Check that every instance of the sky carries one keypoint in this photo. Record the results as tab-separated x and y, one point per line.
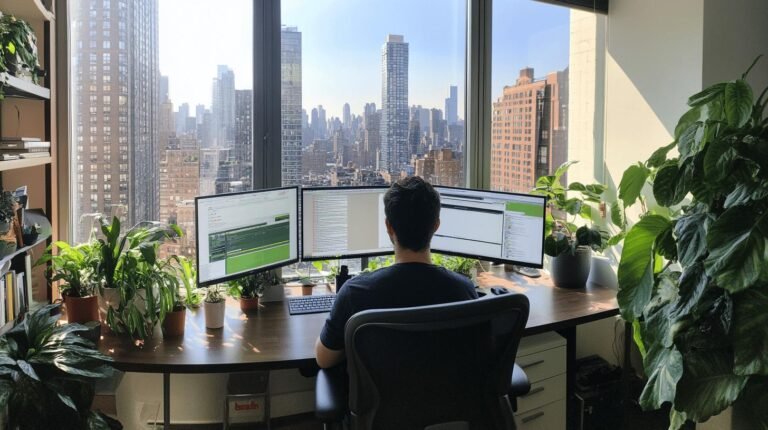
342	41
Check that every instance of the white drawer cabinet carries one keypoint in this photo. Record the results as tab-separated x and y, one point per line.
548	417
543	358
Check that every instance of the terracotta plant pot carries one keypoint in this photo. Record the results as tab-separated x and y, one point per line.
173	324
249	304
82	309
306	290
214	314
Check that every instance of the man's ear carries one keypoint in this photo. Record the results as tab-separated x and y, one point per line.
390	231
437	226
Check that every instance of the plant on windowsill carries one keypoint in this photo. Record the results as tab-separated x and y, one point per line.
693	275
569	245
18	51
48	372
8	206
249	288
333	266
461	265
215	306
76	268
175	319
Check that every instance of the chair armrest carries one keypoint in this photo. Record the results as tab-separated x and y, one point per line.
519	385
331	395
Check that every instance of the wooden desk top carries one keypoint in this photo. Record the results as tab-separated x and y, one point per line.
274	339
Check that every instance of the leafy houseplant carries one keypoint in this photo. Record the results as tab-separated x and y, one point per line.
249	288
569	245
30	233
175	320
18	50
7	216
695	284
47	374
76	268
215	305
461	265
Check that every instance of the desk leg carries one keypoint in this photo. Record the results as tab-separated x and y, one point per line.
166	401
570	377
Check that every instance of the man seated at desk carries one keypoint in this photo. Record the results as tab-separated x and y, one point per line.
412	209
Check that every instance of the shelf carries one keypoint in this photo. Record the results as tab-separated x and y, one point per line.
24	162
32	216
23	89
28	10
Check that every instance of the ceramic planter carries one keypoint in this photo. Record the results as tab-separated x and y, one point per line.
108	298
214	314
174	322
249	304
306	290
571	270
82	309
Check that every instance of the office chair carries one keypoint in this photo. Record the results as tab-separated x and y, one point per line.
447	366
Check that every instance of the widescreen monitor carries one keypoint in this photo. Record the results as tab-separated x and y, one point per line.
343	222
501	227
243	233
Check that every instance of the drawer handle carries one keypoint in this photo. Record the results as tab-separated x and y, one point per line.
535	416
531	364
534	391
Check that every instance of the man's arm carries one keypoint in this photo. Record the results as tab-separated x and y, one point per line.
327	357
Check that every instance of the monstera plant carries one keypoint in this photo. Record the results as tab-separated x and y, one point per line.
693	276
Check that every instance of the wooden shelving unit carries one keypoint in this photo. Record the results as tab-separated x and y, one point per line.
28	110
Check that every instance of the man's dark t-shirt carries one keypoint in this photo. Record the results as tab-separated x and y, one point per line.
398	286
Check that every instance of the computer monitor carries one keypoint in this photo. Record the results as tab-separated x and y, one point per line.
501	227
243	233
343	222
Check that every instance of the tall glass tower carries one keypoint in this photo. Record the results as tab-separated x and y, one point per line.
290	85
394	104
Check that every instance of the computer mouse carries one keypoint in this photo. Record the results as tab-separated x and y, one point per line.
497	291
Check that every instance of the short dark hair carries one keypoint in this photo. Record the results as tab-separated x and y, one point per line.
412	208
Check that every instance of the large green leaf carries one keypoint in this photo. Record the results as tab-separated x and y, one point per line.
659	156
554	246
688	143
738	103
745	193
636	266
706	95
737	248
632	182
718	160
750	331
691	232
708	385
693	283
618	217
670	185
664	367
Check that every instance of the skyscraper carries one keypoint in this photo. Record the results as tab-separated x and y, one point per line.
242	153
181	119
290	86
394	152
346	116
452	106
164	97
117	143
529	130
223	107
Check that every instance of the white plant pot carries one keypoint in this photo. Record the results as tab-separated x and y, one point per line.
601	273
273	293
109	298
214	314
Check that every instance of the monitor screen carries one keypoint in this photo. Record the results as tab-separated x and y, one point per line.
247	232
502	227
343	222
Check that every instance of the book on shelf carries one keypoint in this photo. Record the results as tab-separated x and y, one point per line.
8	157
23	145
9	301
3	314
30	298
35	155
19	139
21	298
22	150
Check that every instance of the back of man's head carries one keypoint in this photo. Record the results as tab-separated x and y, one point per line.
412	208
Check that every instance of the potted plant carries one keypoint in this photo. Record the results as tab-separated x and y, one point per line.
569	245
18	50
305	279
30	233
8	206
693	272
48	372
75	267
175	319
131	266
249	288
461	265
215	306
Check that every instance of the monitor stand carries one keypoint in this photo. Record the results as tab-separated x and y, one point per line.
525	271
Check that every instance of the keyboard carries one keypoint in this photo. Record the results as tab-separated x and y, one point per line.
310	304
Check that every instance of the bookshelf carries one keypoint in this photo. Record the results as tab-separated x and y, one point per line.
29	110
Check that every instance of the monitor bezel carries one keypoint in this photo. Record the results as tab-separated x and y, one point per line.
341	256
253	271
487	258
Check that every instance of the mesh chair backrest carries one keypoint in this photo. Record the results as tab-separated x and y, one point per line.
414	367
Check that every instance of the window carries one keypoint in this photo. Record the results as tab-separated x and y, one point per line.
370	93
533	80
143	137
